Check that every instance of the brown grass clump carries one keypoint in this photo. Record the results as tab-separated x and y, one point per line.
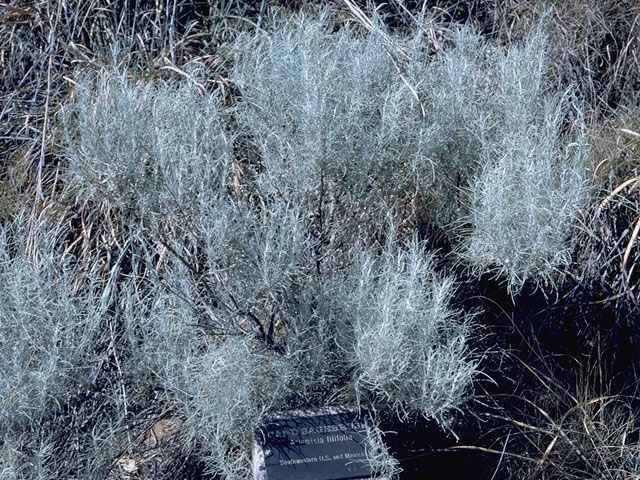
586	431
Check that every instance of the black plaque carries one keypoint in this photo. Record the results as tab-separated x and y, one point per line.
325	444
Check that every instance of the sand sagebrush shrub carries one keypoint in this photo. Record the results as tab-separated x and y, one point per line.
253	258
158	148
532	182
455	87
51	354
408	345
284	294
337	130
48	328
285	288
218	385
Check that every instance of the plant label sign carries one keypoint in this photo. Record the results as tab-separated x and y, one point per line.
321	444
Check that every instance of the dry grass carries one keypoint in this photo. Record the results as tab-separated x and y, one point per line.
575	433
608	240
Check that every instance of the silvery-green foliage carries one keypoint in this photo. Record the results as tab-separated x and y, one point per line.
9	464
235	266
346	122
408	345
502	161
247	313
249	260
532	182
315	320
167	160
253	256
454	87
18	464
47	328
50	337
219	386
337	130
382	463
158	148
